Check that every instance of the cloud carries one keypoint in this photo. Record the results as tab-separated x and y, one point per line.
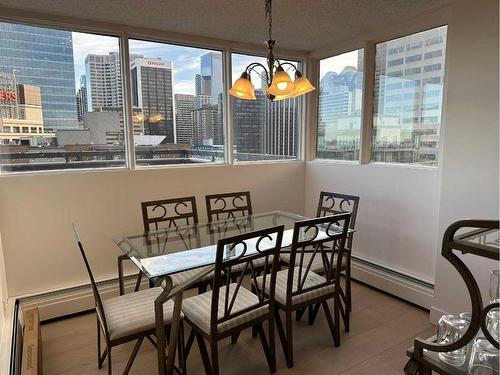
339	62
184	87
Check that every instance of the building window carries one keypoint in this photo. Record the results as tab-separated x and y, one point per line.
414	129
48	94
340	106
177	98
264	130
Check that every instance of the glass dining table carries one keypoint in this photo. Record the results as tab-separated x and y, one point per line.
159	254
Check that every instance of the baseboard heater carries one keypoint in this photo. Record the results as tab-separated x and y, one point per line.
412	289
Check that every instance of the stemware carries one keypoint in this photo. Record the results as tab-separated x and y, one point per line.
450	329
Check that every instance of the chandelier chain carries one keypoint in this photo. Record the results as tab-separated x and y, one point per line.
269	16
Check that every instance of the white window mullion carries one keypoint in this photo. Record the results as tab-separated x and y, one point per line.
127	102
228	108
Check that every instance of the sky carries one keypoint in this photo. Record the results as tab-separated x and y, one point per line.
338	63
185	60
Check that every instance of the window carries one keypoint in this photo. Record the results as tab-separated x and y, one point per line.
51	97
264	130
177	98
413	58
411	134
340	106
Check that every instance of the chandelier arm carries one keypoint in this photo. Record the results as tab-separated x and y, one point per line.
287	63
252	66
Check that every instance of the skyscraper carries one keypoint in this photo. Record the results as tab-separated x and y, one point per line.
153	92
211	75
81	99
42	57
184	106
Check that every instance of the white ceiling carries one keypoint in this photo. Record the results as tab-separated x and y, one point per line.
298	24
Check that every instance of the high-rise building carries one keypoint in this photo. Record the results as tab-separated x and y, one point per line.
184	106
153	92
21	117
281	127
197	84
81	99
42	57
103	80
211	75
248	122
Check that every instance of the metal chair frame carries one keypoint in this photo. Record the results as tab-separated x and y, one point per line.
102	327
331	249
153	223
228	205
223	277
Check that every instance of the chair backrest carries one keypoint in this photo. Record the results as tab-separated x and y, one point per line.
335	203
326	236
236	257
97	296
167	213
228	205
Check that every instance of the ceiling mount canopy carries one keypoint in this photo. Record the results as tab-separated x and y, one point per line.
279	85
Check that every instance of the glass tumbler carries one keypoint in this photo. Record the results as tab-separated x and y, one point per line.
484	358
450	329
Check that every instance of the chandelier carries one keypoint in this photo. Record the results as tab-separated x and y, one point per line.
278	83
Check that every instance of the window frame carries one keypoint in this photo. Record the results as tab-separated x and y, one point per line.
368	42
124	33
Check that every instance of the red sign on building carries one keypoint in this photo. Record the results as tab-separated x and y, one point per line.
8	95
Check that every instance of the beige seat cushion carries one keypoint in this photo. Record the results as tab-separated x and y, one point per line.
317	263
134	312
312	279
180	277
198	309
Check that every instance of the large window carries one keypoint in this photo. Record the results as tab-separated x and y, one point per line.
177	99
264	130
60	100
408	98
340	106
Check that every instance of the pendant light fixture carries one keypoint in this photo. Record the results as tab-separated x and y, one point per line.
279	85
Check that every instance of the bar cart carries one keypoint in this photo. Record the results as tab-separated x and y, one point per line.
482	241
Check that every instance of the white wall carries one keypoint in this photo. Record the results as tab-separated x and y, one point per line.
397	217
470	176
3	291
37	212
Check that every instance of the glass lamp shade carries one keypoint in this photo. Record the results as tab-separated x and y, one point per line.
281	84
301	85
278	97
243	88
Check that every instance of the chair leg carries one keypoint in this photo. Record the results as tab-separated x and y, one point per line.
180	348
110	370
313	312
271	361
138	282
132	356
234	338
214	354
281	332
204	353
289	339
299	313
334	327
189	343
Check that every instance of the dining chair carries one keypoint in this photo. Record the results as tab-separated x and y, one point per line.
331	204
165	214
229	307
228	205
126	318
298	286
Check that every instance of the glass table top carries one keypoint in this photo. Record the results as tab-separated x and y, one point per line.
176	249
490	237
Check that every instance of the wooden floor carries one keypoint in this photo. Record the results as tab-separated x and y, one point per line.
382	329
